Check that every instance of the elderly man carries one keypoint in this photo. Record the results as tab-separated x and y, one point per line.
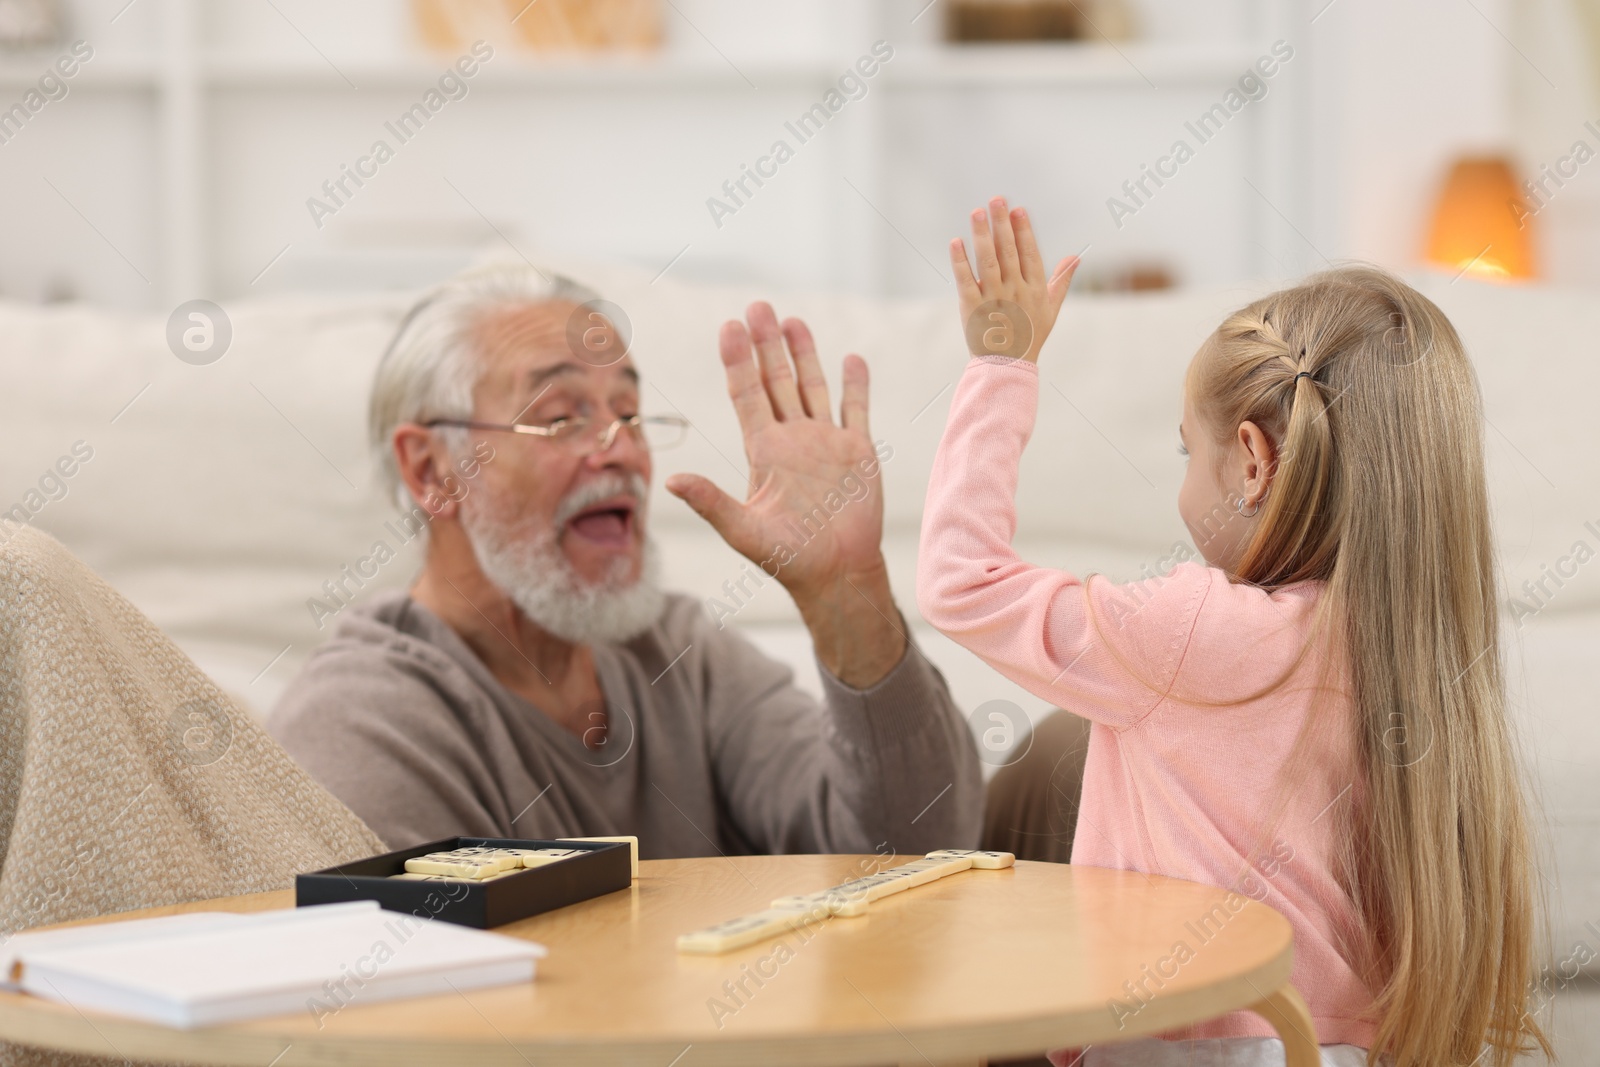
535	681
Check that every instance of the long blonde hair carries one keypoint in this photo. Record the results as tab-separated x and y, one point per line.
1379	490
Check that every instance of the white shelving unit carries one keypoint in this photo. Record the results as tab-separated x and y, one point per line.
17	74
1057	65
203	91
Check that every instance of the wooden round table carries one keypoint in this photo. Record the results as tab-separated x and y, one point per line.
980	964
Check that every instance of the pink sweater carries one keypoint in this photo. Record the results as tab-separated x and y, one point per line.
1171	787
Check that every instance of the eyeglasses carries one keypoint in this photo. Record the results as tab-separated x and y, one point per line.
652	431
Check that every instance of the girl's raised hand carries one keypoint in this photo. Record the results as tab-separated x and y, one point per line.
1011	305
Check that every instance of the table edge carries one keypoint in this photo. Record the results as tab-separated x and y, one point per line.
62	1028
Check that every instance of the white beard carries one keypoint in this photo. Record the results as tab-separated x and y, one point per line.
527	564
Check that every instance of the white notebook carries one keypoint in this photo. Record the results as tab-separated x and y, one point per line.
209	969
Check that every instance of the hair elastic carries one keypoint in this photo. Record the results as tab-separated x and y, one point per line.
1302	374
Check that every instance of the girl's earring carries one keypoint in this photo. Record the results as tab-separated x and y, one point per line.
1254	508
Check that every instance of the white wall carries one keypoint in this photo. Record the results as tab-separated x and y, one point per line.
1403	87
1556	102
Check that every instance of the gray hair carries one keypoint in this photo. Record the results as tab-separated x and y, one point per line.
429	370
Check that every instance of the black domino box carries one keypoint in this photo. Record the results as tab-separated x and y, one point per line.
606	868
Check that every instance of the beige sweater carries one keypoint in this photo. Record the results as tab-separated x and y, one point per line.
712	749
127	778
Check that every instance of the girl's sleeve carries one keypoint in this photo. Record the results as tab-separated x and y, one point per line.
1104	651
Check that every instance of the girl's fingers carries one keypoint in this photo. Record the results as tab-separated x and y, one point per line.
983	249
1061	281
1027	247
966	284
1005	242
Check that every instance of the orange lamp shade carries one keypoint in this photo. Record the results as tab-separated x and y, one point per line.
1482	226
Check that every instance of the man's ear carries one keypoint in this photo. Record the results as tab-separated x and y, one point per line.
1259	461
424	465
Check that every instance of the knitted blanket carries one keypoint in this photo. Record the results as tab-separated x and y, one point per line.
128	779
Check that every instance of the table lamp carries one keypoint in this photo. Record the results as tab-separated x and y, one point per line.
1481	223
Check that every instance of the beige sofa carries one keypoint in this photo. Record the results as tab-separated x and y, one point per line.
221	498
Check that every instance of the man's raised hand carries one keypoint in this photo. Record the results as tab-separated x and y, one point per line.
813	512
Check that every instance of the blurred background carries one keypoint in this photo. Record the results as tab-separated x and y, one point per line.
182	159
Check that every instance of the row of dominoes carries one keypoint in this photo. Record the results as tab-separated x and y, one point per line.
480	864
483	863
850	898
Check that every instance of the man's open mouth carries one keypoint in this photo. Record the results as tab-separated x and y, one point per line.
609	523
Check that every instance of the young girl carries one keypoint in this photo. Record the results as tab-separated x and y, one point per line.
1317	714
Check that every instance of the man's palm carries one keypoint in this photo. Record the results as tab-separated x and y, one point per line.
812	517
